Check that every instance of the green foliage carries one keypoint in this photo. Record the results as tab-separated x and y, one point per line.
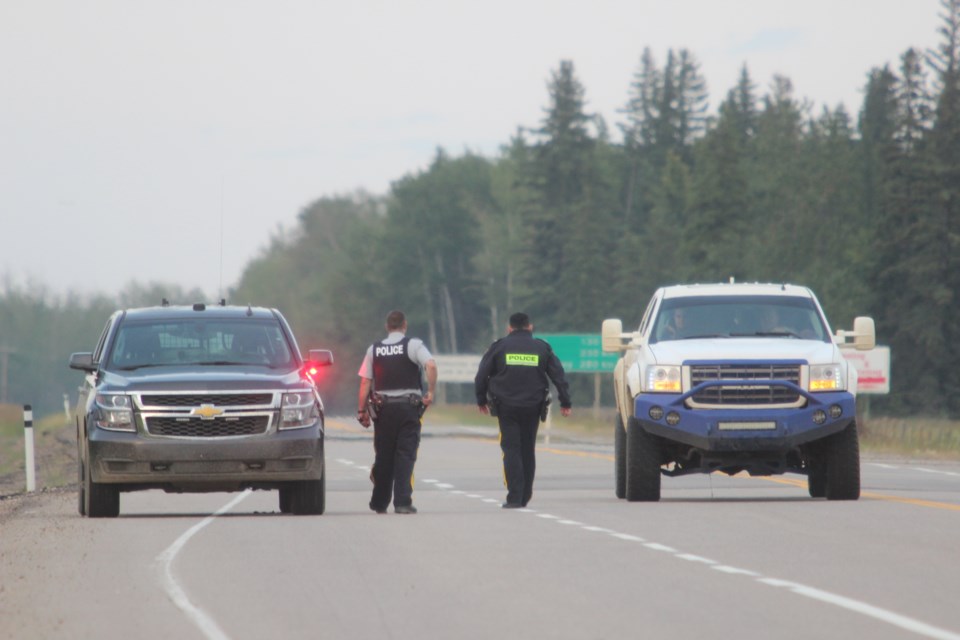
573	227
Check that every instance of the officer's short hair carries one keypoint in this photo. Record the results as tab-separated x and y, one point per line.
395	320
519	321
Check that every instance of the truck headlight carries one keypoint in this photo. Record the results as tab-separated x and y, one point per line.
114	412
663	379
826	377
298	410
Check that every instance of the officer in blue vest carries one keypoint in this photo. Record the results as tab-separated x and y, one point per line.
512	380
391	396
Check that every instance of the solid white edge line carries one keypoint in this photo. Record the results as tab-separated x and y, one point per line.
200	618
904	622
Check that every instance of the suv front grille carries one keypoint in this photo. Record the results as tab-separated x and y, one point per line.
216	399
734	394
216	428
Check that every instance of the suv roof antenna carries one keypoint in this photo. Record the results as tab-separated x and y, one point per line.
164	302
249	310
220	281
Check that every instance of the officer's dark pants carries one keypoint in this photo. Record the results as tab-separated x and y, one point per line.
518	440
396	438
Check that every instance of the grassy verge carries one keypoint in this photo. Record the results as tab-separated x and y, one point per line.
913	437
54	451
55	446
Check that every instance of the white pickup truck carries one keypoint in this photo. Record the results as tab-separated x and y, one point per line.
736	377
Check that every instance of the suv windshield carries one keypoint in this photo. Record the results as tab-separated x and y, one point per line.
200	342
738	317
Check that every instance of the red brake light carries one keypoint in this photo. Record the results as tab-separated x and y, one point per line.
311	371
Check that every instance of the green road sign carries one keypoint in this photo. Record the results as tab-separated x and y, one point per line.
580	352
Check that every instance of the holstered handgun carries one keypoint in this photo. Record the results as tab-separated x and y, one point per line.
492	405
374	403
545	407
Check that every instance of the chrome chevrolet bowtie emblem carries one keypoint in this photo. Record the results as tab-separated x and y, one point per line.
206	412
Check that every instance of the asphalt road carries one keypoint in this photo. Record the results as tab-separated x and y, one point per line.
718	557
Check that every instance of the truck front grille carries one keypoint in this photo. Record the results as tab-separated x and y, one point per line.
197	399
216	428
734	394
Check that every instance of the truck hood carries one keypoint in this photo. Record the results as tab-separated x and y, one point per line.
740	349
216	378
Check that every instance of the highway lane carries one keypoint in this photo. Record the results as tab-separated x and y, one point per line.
740	557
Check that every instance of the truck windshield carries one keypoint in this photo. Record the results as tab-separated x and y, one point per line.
200	342
738	317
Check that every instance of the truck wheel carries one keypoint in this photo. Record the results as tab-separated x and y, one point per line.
100	500
309	497
285	498
620	458
817	481
643	465
843	465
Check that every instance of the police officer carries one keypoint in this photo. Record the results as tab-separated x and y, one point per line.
513	373
391	379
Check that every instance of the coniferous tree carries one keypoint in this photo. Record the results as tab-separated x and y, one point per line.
945	206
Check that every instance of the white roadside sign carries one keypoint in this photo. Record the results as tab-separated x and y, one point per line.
458	367
873	369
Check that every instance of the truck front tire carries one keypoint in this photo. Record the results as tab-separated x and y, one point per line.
842	457
642	465
620	458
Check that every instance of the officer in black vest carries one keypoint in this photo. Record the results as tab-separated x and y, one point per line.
391	396
512	379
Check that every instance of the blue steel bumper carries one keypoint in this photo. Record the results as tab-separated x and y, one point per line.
701	428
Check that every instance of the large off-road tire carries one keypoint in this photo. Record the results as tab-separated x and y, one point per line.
309	497
842	458
817	481
643	465
285	500
99	500
620	458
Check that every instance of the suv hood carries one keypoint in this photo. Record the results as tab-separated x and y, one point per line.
740	349
215	378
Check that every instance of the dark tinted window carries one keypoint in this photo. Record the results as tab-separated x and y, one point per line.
738	317
199	341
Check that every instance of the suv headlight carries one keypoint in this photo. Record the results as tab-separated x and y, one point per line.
663	379
826	377
298	410
115	412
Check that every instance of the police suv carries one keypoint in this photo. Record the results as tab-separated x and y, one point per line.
197	399
731	378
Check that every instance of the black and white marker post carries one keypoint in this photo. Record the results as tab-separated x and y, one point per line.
28	446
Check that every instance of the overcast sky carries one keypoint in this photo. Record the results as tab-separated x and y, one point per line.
138	137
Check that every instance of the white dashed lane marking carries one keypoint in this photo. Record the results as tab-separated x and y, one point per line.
904	622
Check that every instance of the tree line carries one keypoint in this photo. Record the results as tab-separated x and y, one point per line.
574	221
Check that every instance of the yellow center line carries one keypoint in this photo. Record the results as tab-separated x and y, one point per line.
800	484
793	482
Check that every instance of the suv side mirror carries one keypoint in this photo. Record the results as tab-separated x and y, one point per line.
82	361
321	357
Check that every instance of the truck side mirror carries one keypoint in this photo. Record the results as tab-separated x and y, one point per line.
611	336
865	333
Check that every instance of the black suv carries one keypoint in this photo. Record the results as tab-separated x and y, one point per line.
199	398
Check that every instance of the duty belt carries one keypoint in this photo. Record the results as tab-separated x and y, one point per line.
410	398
